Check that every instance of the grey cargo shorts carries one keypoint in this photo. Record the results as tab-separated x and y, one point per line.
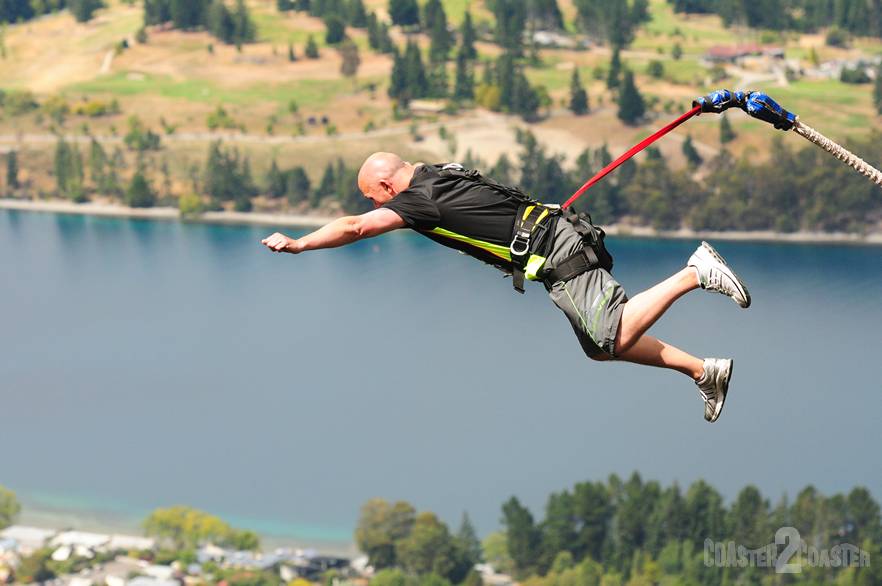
593	301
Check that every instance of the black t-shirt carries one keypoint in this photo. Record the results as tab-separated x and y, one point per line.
460	213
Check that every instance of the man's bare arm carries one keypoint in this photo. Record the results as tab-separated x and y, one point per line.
340	232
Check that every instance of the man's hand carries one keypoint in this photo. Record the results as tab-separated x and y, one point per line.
278	242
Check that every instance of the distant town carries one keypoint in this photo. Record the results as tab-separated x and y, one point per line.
94	559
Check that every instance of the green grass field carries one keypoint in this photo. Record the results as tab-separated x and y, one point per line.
307	92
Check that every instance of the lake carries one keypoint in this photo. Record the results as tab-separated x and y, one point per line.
146	364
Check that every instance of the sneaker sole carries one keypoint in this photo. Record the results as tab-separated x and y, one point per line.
735	278
719	409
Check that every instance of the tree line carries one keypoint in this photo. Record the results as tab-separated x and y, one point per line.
624	531
858	17
13	11
231	26
816	193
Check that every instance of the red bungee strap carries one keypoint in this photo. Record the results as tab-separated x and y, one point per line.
630	153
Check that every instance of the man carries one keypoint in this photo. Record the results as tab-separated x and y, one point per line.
499	225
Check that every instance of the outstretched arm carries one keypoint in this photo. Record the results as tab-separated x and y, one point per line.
340	232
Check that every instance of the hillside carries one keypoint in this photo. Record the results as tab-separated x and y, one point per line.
174	81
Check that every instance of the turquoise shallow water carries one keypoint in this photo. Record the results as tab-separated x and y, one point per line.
145	364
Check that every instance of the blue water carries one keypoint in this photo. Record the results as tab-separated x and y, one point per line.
144	364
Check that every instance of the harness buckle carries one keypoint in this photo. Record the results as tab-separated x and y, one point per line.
520	246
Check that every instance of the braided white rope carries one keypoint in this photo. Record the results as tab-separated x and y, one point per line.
839	152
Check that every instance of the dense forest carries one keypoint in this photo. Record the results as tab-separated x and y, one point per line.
859	17
620	531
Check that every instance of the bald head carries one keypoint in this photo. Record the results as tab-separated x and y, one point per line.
383	176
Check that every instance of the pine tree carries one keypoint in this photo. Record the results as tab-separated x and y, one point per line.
505	79
284	5
386	44
522	536
415	73
613	77
12	171
140	194
373	31
441	40
404	12
429	12
248	188
111	178
877	90
187	14
298	186
437	81
326	186
243	26
97	165
464	84
467	539
156	12
689	151
220	22
276	182
578	95
356	14
467	35
335	29
727	135
631	106
510	24
545	14
311	51
398	80
302	5
84	9
526	99
69	171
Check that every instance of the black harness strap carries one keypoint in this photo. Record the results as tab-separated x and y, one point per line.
592	255
520	245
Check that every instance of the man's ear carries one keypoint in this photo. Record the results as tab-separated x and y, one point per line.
387	187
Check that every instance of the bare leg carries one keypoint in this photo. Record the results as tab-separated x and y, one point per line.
653	352
645	308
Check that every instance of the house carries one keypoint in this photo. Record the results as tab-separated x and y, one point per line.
559	40
28	539
427	106
130	543
81	540
148	581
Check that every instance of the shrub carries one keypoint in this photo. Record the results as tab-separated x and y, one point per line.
18	102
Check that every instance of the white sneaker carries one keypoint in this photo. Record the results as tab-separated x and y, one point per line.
715	275
714	385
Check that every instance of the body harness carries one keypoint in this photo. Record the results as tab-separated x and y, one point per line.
533	235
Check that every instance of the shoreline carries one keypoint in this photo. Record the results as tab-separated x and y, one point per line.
102	521
309	221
